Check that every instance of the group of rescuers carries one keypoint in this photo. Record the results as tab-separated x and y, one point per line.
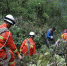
27	46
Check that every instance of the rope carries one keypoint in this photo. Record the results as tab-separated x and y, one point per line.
5	41
2	30
28	45
4	61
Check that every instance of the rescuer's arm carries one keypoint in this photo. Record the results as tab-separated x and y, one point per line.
48	32
12	46
22	45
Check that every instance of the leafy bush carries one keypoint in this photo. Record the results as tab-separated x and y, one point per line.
45	58
31	9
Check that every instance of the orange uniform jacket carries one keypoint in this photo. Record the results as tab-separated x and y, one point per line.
64	36
24	47
10	41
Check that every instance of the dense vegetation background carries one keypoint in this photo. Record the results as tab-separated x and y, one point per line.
37	16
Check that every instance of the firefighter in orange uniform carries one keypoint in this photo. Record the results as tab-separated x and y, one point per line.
28	46
6	38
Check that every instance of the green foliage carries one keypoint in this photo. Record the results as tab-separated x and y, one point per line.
44	59
22	28
37	16
31	9
21	31
59	60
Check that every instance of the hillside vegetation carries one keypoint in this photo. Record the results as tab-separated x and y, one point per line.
37	16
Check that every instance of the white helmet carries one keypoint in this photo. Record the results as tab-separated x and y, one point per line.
9	18
31	33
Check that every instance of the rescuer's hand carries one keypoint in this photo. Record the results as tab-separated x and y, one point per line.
51	37
20	56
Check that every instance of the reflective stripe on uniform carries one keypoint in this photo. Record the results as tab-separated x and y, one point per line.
1	37
20	50
26	44
10	63
62	35
15	51
31	46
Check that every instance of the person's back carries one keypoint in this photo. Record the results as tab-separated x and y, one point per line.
4	35
3	38
28	46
